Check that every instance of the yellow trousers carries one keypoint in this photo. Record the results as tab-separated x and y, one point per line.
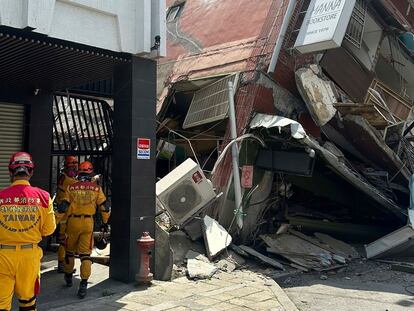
79	231
62	240
20	275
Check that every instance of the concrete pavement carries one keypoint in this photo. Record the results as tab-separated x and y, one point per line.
239	290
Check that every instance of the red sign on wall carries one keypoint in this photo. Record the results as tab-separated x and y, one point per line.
143	148
247	176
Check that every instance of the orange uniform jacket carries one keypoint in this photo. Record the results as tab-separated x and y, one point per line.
83	198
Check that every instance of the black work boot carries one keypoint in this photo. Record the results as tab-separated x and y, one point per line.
82	289
61	265
68	279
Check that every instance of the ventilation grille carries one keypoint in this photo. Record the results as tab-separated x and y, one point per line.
211	103
355	31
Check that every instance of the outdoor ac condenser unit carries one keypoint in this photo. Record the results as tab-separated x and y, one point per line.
184	191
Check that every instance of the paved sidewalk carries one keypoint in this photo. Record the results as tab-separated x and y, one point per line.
239	290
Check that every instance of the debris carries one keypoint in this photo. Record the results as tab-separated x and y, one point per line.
103	260
178	272
403	267
347	278
338	246
164	259
193	229
198	269
364	137
312	240
181	244
234	258
399	243
367	111
323	277
226	265
216	238
262	257
282	229
195	255
299	251
339	259
319	94
238	250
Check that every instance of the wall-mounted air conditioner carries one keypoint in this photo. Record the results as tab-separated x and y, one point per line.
184	191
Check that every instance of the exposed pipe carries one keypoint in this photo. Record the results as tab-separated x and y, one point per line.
235	158
282	34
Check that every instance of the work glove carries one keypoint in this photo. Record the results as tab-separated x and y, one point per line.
105	228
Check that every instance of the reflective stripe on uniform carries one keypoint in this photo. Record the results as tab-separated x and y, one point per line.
23	246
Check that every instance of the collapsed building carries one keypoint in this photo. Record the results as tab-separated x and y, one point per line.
328	110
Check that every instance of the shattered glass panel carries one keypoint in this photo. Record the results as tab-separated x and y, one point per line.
355	31
211	103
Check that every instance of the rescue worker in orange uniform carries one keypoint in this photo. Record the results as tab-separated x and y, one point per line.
67	178
80	203
26	215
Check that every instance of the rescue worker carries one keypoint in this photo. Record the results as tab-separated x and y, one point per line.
80	204
67	178
26	215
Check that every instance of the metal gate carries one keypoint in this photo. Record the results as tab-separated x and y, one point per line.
11	137
83	128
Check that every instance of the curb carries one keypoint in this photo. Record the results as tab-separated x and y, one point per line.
282	297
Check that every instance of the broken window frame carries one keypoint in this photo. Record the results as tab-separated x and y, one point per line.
355	31
174	12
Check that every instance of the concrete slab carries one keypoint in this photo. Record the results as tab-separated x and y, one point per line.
163	255
198	269
216	238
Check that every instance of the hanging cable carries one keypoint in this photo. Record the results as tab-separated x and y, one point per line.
240	138
183	137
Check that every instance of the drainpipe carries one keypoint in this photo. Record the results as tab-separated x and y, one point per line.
235	158
281	38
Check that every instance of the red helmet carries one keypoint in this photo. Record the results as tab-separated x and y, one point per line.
71	162
21	162
86	168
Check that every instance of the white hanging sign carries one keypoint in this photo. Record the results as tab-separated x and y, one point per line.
325	25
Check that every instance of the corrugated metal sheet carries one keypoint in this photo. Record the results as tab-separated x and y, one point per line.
210	104
11	137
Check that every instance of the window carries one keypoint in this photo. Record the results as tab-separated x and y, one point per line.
174	12
355	31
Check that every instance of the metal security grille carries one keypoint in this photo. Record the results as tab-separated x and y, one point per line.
355	31
211	103
11	137
82	127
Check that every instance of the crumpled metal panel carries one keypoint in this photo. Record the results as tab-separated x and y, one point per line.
268	121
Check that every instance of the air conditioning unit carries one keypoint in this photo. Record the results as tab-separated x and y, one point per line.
184	191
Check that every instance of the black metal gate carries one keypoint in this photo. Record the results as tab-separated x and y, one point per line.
83	128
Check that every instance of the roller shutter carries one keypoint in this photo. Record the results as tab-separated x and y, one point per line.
11	137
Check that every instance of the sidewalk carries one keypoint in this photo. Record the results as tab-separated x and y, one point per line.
239	290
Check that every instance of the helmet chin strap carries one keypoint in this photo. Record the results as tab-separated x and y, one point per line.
84	177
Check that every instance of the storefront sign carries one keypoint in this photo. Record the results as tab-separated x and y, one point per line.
325	25
143	148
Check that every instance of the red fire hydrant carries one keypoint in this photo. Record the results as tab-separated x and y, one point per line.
145	244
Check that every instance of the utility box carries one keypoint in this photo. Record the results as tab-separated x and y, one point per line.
130	26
